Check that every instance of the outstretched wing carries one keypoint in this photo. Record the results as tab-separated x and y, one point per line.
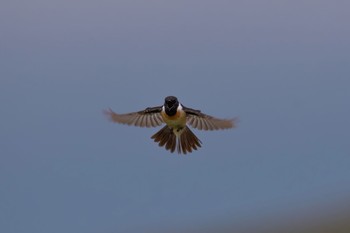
150	117
202	121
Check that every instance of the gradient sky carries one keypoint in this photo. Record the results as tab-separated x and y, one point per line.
282	67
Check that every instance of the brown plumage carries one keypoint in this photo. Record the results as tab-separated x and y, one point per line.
186	141
175	135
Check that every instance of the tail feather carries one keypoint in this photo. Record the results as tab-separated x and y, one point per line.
171	144
184	141
166	137
188	141
184	144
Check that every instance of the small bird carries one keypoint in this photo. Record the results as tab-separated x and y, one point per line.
176	133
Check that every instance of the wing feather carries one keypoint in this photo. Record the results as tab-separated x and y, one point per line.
150	117
202	121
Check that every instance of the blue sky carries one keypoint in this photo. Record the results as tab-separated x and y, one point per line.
282	67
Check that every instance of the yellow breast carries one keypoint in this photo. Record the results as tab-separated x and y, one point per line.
178	120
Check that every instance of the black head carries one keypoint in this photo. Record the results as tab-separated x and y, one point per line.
171	103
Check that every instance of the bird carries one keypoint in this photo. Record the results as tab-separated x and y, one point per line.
176	134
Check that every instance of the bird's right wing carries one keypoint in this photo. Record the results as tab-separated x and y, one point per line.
150	117
202	121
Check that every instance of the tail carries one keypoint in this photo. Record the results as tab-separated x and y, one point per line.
185	141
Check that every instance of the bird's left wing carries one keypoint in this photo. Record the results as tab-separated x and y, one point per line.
150	117
202	121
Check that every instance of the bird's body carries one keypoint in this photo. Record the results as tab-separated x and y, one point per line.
175	121
176	133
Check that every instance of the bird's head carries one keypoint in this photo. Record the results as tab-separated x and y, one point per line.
171	103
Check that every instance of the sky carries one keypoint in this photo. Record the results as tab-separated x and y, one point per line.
281	67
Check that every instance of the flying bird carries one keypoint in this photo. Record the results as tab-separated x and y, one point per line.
175	134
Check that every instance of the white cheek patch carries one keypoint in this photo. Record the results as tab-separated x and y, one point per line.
179	108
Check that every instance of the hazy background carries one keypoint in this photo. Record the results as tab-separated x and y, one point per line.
282	67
